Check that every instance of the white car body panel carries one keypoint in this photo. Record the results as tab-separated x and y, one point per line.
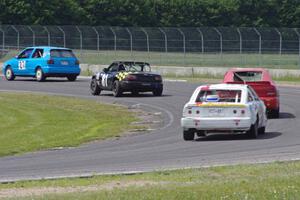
237	116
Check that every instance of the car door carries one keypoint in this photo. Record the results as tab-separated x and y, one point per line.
23	61
259	104
35	60
111	74
106	77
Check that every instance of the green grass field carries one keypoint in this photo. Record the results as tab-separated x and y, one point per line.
31	122
280	180
284	61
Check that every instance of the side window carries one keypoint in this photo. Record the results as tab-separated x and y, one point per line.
26	53
38	53
113	67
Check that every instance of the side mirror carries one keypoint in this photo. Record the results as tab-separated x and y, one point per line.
105	70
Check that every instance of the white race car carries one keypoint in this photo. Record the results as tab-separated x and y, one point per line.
223	108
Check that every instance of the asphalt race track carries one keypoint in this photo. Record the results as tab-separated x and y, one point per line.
160	149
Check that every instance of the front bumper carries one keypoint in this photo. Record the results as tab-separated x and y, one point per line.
141	86
216	124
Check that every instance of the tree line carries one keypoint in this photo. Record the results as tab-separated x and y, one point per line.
149	13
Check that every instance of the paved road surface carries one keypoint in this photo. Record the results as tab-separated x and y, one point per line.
163	148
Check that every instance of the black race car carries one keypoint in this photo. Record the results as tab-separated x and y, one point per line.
125	76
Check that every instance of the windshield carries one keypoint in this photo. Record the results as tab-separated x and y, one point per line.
137	67
247	76
61	53
233	96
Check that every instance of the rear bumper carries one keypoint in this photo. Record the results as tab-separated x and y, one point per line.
61	71
211	124
140	86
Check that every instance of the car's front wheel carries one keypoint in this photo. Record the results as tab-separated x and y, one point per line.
117	90
39	75
9	74
71	77
94	87
188	135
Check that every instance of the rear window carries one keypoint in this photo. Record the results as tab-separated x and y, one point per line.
61	53
247	76
233	96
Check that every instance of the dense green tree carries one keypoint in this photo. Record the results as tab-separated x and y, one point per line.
285	13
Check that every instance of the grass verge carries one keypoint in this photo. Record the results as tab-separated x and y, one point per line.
31	122
284	61
279	180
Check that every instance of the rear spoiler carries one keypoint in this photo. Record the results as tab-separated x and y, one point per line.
250	82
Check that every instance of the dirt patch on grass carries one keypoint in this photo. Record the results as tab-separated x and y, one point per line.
40	191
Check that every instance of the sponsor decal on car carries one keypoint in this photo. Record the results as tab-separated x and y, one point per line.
121	75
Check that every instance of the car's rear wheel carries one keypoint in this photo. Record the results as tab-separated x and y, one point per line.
9	74
157	92
188	135
253	132
117	90
262	130
71	77
274	113
94	87
39	75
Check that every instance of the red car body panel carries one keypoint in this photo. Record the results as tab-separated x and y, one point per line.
265	88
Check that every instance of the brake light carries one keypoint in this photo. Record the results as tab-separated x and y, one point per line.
271	93
131	77
77	62
50	62
157	78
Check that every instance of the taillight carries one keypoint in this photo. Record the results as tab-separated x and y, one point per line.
271	93
50	62
77	62
131	77
157	78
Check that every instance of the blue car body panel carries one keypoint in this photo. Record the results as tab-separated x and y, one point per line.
60	66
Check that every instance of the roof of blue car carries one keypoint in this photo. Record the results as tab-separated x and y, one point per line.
47	47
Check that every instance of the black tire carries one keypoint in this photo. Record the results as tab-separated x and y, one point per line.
253	132
39	75
9	74
157	92
273	113
262	130
188	135
94	87
71	77
117	90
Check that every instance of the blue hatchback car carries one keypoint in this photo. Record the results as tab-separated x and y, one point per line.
42	62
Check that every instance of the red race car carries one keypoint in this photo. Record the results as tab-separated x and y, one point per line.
260	80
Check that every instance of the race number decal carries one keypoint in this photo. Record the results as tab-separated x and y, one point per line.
104	80
22	65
